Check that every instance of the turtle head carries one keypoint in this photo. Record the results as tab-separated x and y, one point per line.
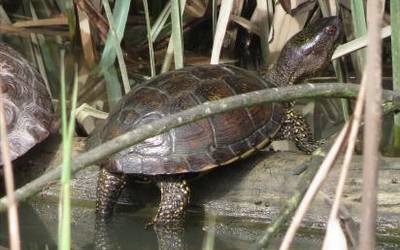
308	51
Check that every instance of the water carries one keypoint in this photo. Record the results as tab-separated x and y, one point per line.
39	230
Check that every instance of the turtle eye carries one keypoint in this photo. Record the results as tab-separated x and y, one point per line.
331	30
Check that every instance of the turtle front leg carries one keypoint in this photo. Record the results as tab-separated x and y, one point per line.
174	201
109	187
296	129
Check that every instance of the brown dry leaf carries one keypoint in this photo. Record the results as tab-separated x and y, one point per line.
86	39
284	26
248	25
195	8
95	17
58	20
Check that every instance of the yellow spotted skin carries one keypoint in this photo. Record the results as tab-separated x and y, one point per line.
296	129
109	187
175	194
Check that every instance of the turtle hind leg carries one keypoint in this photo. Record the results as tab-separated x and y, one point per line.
109	187
174	201
296	129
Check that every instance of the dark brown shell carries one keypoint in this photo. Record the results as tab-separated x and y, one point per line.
27	104
198	146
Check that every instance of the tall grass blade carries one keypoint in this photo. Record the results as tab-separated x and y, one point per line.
360	29
45	56
68	127
214	15
170	49
113	86
222	23
120	16
262	8
149	39
177	39
114	39
395	24
168	57
160	21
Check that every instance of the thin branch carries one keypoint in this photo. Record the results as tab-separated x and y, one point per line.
209	108
373	125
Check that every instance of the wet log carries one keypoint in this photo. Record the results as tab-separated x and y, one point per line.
254	188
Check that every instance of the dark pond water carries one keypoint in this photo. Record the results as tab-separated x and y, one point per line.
39	231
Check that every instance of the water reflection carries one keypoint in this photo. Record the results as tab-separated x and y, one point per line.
34	233
126	231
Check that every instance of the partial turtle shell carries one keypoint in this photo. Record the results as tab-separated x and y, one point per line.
27	103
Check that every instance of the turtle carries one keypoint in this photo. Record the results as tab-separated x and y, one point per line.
167	159
27	103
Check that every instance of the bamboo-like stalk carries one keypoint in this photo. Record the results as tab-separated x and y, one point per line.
395	23
373	126
149	39
132	137
13	222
